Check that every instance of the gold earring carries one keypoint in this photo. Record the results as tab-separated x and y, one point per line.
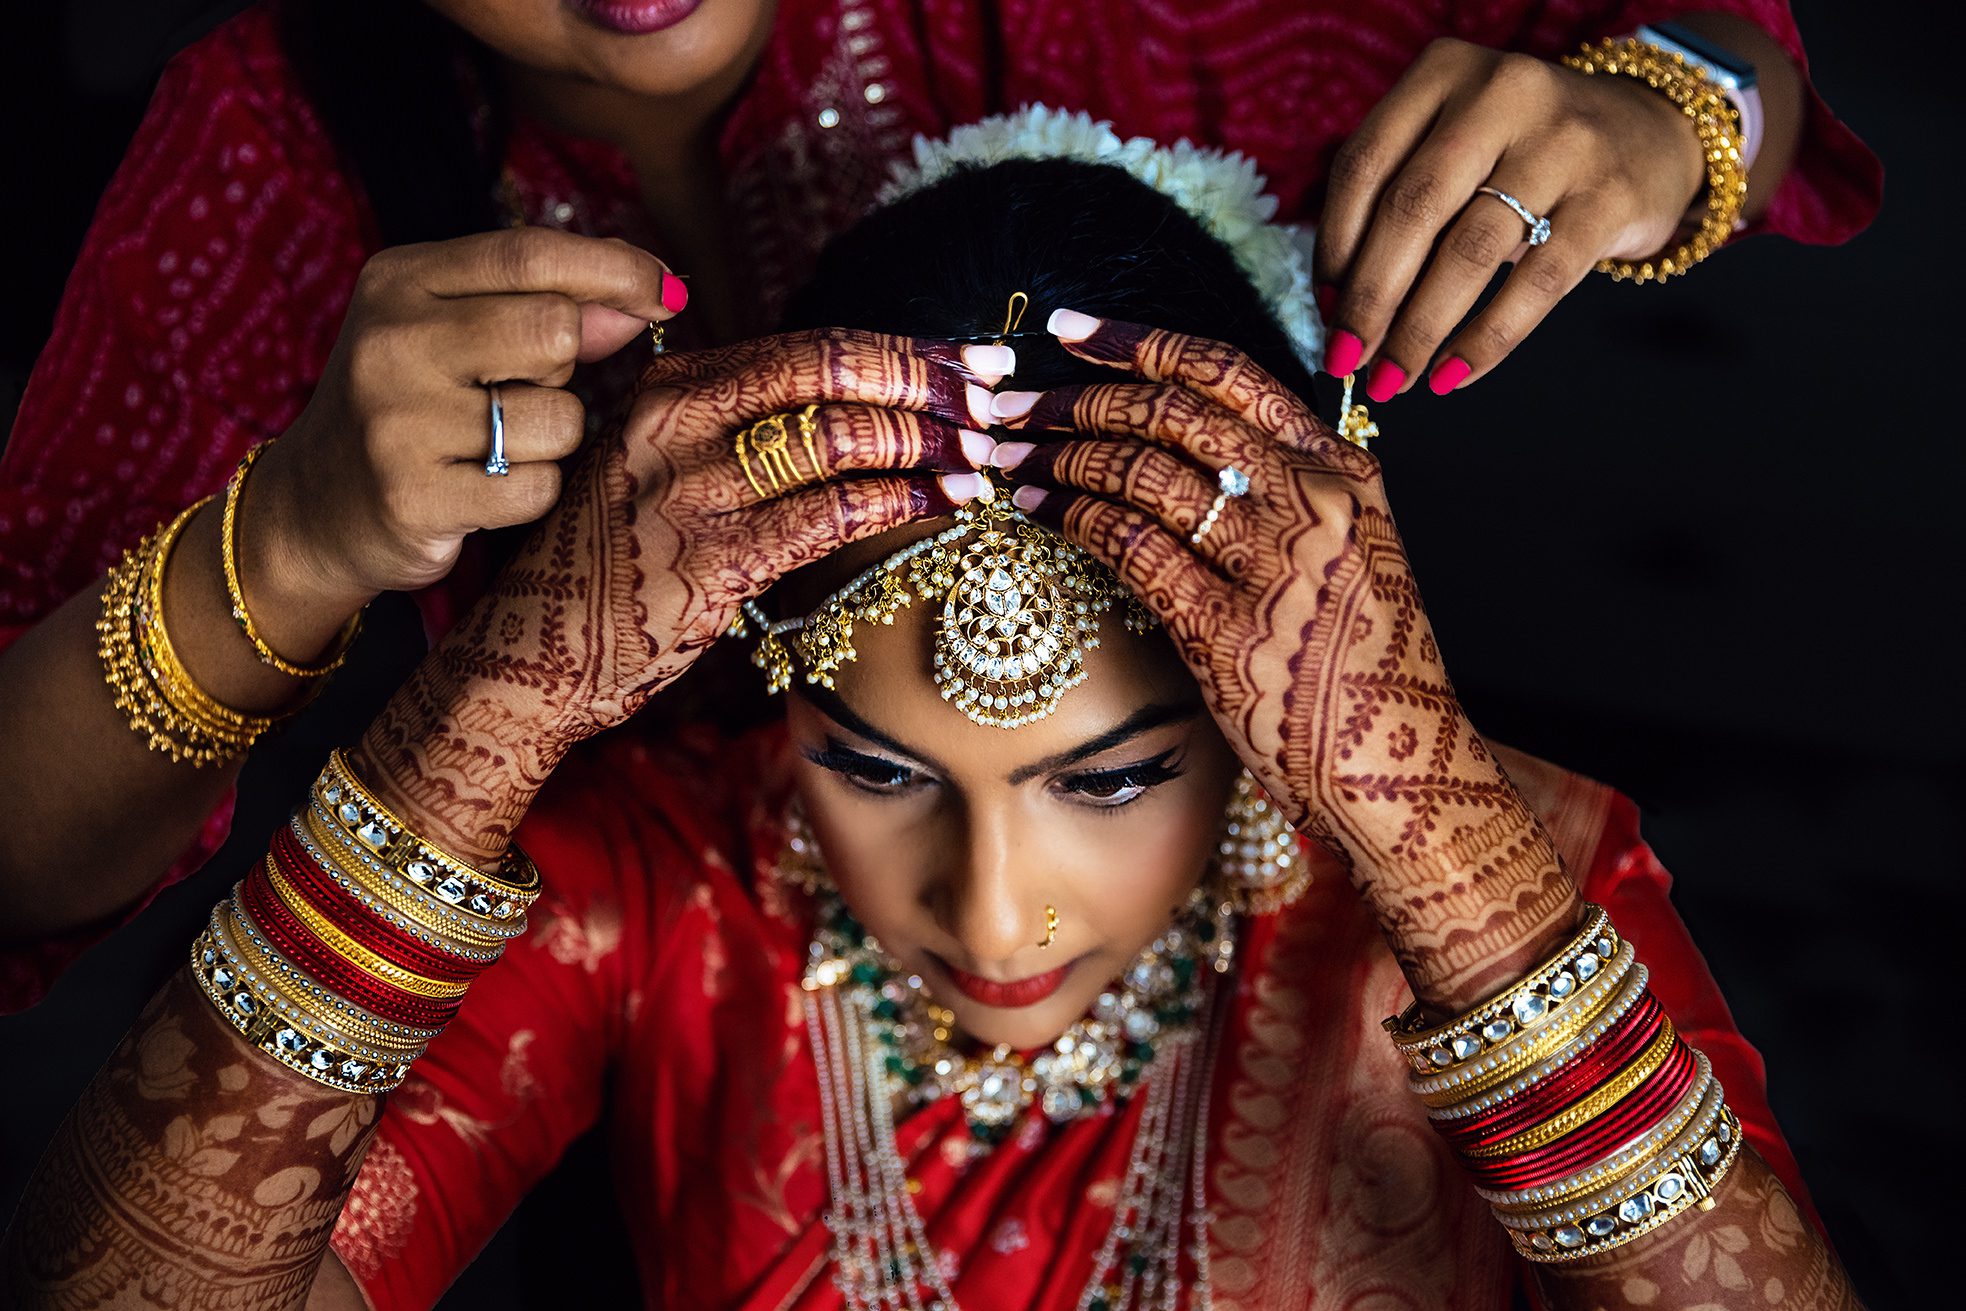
655	339
800	865
1259	866
1050	926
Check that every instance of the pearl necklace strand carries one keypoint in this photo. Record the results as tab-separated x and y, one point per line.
881	1256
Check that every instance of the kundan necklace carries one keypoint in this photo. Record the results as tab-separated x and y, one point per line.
877	1037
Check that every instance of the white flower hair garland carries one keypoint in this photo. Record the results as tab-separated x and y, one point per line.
1221	189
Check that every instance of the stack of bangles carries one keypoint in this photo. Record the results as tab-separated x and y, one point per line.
352	945
1583	1117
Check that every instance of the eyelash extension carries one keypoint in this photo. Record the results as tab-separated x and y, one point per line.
1145	774
870	772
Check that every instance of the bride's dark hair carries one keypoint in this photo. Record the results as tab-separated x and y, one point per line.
944	262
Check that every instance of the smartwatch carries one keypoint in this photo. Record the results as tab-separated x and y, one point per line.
1730	72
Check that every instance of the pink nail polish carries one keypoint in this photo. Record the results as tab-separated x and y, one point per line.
1342	353
1011	454
675	293
962	488
978	399
995	361
1013	404
1028	499
1447	375
978	448
1070	325
1382	384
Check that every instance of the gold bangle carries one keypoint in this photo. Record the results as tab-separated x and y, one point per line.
374	887
157	697
1715	119
1535	999
229	557
352	951
247	1009
381	830
306	1001
1617	985
1601	1099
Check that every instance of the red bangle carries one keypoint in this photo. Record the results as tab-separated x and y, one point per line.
306	876
1617	1048
1629	1120
294	940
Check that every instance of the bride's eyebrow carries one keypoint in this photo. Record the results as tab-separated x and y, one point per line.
829	703
1145	719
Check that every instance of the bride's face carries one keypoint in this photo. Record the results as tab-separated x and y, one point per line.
947	839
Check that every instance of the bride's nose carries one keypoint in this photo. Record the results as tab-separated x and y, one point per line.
988	899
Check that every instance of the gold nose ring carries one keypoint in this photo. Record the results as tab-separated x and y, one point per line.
1050	926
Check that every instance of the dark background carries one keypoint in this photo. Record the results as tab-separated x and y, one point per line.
1702	542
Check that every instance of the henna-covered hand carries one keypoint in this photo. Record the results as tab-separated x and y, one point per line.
659	536
1299	614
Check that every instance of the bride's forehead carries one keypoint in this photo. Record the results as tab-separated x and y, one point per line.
891	687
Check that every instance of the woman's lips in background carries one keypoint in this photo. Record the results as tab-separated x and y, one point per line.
634	17
1007	996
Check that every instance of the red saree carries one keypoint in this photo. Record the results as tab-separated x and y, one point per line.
213	281
661	981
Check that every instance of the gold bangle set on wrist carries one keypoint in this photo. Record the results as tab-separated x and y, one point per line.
156	694
159	699
345	912
1717	122
1572	1169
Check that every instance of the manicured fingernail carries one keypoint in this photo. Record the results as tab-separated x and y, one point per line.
1342	353
978	400
962	488
1013	404
990	361
1011	454
978	448
1327	300
1070	325
675	292
1447	375
1382	384
1028	499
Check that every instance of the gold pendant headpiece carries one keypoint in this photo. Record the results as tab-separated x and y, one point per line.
1020	608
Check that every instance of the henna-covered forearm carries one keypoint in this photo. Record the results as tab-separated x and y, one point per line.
194	1173
1752	1250
1299	611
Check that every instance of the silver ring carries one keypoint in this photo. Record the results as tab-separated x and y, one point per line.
496	465
1233	482
1539	227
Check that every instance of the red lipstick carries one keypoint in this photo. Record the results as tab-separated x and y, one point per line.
1008	996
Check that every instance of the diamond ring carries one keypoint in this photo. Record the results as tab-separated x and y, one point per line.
1539	227
1233	482
496	465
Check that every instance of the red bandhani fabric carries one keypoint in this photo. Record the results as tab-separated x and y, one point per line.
660	981
214	279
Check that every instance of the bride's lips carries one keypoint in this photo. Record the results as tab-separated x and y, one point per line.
634	17
1007	996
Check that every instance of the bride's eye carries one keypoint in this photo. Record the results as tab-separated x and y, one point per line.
868	773
1109	789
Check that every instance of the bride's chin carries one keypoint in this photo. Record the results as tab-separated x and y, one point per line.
1024	1029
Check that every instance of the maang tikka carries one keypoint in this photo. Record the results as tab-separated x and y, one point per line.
1020	608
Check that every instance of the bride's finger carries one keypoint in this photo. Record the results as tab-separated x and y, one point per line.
1188	597
783	452
1180	497
795	530
1165	414
980	363
1212	369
